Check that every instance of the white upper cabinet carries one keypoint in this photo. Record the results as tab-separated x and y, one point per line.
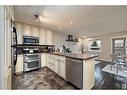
35	31
42	36
26	30
19	33
45	36
49	37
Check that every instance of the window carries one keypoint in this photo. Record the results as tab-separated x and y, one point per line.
118	45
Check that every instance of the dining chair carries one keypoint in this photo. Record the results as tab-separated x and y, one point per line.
118	60
121	61
114	59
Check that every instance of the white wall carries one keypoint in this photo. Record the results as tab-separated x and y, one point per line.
106	43
6	14
60	40
2	49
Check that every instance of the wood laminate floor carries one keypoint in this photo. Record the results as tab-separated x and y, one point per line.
46	79
104	80
41	79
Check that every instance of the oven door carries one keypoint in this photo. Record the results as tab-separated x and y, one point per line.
32	65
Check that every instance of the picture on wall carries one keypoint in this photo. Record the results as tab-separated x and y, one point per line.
94	45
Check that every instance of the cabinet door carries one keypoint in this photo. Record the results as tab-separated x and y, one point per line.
56	65
51	66
35	31
62	69
43	60
49	37
19	65
50	62
48	58
42	36
19	32
26	30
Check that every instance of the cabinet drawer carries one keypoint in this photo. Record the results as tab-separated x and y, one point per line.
51	66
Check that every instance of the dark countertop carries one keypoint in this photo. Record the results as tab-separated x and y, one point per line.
27	45
78	56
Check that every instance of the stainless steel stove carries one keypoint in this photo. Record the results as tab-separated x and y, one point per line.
32	58
32	61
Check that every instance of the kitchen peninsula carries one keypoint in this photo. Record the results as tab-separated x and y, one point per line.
79	68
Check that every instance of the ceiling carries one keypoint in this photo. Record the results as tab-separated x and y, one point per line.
76	20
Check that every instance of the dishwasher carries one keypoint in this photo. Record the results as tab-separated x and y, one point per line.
74	72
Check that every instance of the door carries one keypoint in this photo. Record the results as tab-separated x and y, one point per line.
118	46
7	40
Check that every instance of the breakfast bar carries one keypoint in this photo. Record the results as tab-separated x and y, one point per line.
80	69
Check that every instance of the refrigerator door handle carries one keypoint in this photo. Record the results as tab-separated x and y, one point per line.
14	30
10	66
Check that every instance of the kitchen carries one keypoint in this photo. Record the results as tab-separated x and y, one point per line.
34	48
48	52
44	53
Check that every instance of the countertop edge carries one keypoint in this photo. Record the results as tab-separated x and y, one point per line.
87	58
75	57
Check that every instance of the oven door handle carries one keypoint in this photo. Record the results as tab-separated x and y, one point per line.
33	60
38	58
32	54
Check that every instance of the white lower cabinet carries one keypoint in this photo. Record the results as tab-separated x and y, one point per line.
19	64
50	62
43	59
57	64
62	70
54	62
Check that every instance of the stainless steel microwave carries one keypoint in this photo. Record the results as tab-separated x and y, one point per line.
31	40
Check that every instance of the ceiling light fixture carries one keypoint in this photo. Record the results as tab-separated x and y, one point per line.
71	22
37	17
59	28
